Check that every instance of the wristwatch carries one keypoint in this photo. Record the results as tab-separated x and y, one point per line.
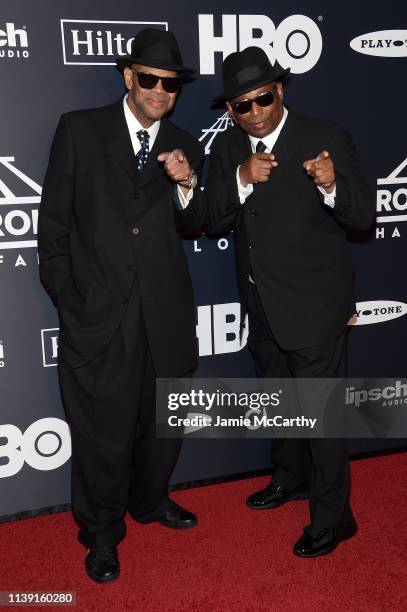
191	181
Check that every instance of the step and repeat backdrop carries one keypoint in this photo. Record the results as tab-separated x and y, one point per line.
348	63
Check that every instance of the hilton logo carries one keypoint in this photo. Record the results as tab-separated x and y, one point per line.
98	43
49	341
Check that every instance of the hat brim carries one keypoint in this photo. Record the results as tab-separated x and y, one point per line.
183	71
268	77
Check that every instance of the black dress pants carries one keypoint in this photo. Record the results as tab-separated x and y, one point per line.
118	464
319	464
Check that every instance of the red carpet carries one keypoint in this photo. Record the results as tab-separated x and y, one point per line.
236	559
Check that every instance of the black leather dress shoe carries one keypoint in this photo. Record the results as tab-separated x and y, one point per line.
102	564
324	541
177	517
273	496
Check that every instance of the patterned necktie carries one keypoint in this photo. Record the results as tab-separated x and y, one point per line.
142	155
260	147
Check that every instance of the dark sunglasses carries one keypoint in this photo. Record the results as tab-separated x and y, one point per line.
245	106
149	81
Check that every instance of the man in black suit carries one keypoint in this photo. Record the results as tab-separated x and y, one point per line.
113	262
289	186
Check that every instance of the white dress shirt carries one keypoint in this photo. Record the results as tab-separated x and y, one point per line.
134	126
269	141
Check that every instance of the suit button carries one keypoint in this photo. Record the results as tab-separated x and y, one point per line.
137	195
246	275
254	213
136	231
252	245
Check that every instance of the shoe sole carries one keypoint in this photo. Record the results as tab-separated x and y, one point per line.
331	548
102	580
179	526
272	505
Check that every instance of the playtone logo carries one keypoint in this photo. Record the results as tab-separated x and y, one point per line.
378	311
18	213
98	43
387	43
296	42
13	42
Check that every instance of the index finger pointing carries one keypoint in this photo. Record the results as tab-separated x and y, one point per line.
308	164
178	155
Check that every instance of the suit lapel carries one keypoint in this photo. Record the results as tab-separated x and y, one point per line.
287	141
163	143
118	141
285	147
242	148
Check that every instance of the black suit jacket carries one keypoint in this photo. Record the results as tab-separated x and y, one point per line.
104	226
294	244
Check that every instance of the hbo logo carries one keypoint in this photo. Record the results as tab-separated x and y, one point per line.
45	445
296	42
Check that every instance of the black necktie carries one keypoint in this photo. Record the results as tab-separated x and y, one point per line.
260	147
142	155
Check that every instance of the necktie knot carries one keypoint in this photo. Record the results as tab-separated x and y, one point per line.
260	147
142	155
143	136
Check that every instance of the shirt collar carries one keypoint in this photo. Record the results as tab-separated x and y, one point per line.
270	139
135	126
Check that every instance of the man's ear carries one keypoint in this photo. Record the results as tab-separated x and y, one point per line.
230	110
280	90
128	77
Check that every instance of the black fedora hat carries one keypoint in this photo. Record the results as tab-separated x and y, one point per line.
246	70
155	48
